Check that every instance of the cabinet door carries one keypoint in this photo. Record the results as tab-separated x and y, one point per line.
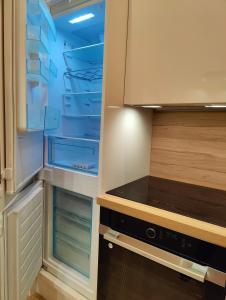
176	52
24	241
115	51
2	143
28	32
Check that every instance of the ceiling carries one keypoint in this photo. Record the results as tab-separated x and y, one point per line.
53	2
88	28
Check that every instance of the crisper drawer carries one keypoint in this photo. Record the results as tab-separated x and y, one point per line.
75	154
72	226
124	274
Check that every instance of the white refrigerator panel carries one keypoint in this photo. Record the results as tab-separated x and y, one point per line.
29	156
24	242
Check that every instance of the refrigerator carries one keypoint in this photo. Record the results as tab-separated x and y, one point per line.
51	114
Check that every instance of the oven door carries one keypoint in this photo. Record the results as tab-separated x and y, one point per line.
131	269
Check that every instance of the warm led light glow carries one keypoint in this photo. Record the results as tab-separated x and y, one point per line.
82	18
151	106
216	106
113	106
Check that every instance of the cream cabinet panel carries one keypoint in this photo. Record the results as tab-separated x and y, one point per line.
115	51
176	52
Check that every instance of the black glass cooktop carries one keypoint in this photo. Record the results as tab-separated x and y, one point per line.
202	203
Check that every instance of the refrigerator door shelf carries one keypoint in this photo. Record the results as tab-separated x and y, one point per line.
37	99
53	69
38	12
37	67
37	42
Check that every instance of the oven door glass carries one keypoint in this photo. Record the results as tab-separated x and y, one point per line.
127	275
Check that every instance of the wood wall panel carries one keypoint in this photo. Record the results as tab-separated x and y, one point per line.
190	147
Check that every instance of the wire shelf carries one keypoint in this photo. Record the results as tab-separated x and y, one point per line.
89	74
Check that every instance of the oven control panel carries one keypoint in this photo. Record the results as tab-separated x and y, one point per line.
174	242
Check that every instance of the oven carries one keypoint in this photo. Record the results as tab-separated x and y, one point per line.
143	261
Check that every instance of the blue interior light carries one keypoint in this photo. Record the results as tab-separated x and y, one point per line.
82	18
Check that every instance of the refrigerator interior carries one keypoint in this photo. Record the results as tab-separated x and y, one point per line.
64	82
73	116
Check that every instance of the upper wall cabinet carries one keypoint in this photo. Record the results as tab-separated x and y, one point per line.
176	52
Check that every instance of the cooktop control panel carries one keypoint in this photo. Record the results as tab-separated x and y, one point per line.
174	242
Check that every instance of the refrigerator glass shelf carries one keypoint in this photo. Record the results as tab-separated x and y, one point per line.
39	13
74	154
82	104
90	55
81	116
71	138
75	218
37	41
84	127
85	249
72	202
97	94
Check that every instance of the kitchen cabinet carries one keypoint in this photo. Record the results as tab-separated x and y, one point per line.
176	52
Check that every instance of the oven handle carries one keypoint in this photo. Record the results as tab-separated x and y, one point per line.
167	259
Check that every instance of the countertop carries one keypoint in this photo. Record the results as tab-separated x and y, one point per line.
193	210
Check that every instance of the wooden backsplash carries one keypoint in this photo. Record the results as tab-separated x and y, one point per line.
190	147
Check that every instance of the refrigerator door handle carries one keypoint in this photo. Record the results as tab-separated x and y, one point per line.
167	259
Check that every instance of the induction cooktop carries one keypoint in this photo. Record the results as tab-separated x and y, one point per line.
202	203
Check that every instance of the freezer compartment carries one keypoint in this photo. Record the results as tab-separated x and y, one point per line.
72	225
81	126
82	104
75	154
69	252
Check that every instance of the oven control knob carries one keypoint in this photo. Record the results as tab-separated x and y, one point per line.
151	233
